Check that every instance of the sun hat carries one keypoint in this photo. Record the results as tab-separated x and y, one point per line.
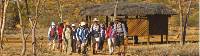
73	25
95	19
83	23
67	23
116	19
53	23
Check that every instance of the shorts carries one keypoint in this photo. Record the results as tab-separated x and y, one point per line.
119	40
97	39
60	39
84	41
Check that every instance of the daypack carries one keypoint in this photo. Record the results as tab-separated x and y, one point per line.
95	33
69	31
97	29
121	27
52	32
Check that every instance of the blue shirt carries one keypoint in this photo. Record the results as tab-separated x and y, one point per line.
82	33
102	32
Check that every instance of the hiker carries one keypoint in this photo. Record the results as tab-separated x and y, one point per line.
60	32
120	32
67	38
95	32
52	36
74	40
82	34
78	42
102	37
110	37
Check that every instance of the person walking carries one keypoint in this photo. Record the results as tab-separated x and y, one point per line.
52	36
67	37
74	40
60	32
102	37
95	32
82	34
121	32
110	38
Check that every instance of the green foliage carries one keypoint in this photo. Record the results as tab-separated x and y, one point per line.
194	20
71	9
134	1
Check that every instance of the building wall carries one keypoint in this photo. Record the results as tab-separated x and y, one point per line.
158	24
152	25
137	27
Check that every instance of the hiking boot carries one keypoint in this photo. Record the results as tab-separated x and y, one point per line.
111	53
84	54
69	53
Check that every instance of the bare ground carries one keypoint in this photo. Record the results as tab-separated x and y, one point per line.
12	46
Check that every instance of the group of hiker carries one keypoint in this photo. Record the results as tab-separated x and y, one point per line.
71	38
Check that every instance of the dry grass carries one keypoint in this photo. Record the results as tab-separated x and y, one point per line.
157	49
190	49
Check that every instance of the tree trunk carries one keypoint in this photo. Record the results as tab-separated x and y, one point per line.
181	25
5	2
33	40
34	23
2	7
115	11
186	21
60	10
22	29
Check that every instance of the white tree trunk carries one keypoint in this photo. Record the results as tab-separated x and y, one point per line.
186	21
184	14
60	10
34	23
115	11
22	29
181	21
3	21
2	7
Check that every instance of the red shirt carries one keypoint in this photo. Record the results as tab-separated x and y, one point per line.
109	32
60	30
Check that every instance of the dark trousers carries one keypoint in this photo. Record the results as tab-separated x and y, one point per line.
74	45
101	42
78	46
119	40
135	40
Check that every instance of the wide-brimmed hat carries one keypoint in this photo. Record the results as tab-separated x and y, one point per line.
95	19
67	23
83	23
53	23
116	19
65	20
73	25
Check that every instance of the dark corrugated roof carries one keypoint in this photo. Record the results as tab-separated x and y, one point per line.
129	9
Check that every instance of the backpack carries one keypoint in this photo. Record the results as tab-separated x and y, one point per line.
52	32
94	33
81	32
121	27
98	27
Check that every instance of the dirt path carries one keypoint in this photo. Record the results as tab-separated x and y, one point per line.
13	47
